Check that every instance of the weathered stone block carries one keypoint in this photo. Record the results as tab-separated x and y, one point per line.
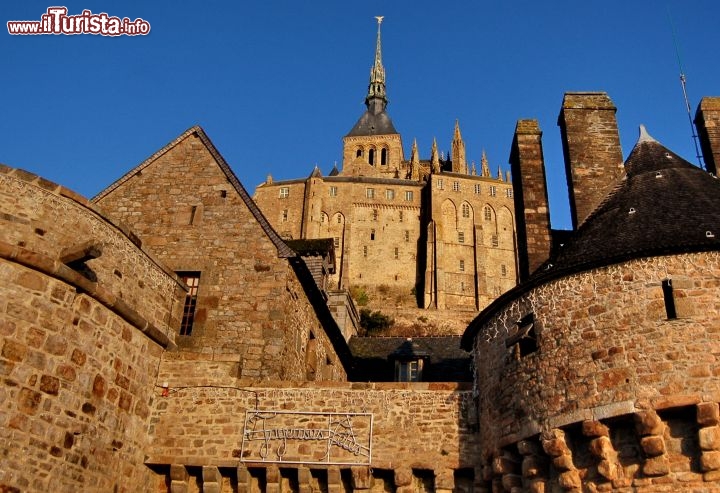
361	478
602	447
403	476
653	445
709	438
708	414
710	460
656	466
570	480
595	429
649	423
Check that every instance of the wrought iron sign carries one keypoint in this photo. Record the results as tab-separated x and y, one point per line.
307	438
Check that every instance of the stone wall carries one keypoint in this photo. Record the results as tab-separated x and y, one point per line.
80	345
606	351
591	146
423	428
252	307
707	120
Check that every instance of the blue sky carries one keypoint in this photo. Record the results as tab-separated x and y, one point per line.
276	84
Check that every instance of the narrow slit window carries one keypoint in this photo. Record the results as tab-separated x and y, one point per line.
669	299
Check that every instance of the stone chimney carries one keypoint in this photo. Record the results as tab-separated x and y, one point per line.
531	202
591	145
707	122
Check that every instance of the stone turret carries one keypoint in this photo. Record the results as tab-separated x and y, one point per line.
459	165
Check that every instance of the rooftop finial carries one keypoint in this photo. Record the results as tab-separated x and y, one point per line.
644	135
376	89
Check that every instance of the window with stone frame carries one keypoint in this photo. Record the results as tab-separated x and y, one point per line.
333	191
374	214
488	213
462	266
407	235
509	193
401	216
284	192
408	195
465	210
397	253
461	236
439	184
336	242
370	193
192	281
284	215
478	189
495	241
390	194
456	186
493	190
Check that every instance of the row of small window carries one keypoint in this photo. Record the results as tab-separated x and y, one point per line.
406	235
371	155
487	211
440	185
389	194
396	252
494	240
503	268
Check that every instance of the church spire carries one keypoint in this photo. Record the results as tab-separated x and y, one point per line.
376	99
434	158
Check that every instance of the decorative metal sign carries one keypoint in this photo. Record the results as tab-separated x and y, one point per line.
307	437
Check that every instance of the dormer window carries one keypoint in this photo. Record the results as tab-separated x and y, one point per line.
408	371
409	360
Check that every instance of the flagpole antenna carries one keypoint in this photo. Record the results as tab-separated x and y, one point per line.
683	84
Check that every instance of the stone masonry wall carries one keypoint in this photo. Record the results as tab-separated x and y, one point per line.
415	426
79	346
251	308
707	120
605	350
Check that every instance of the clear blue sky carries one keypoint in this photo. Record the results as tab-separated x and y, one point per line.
276	84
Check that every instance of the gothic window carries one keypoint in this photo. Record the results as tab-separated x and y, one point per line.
284	192
465	210
390	194
333	191
408	195
383	157
461	237
462	266
192	281
371	157
493	190
488	213
477	188
370	193
456	186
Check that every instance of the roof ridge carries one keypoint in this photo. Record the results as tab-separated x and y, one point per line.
284	251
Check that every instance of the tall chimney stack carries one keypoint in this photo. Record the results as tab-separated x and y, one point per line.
531	200
591	145
707	122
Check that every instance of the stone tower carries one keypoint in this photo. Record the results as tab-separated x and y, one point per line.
373	147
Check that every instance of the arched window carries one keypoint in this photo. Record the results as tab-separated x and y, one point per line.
383	157
488	213
358	153
371	157
466	210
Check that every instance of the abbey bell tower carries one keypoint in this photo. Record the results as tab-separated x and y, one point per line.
373	147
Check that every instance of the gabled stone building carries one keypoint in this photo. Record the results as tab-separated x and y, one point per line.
438	229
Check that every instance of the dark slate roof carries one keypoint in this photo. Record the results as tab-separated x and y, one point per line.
373	124
663	205
445	361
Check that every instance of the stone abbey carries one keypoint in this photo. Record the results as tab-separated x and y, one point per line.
437	227
169	335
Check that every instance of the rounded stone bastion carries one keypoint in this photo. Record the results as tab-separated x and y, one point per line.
85	314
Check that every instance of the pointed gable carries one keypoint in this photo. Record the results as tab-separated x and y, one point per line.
283	250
